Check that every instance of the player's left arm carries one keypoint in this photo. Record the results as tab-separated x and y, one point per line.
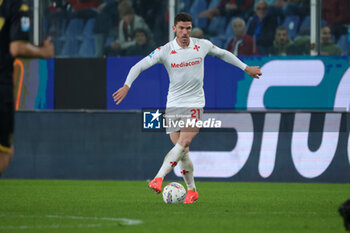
19	34
253	71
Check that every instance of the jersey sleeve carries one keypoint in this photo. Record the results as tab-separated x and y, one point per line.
226	56
20	21
153	58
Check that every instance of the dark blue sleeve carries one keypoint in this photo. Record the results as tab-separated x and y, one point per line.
20	21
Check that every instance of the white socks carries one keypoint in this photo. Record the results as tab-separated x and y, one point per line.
186	167
170	160
174	156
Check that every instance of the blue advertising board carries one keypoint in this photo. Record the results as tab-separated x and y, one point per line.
301	82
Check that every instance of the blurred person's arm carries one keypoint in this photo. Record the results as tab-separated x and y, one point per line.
211	13
26	49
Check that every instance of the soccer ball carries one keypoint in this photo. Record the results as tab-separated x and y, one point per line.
174	193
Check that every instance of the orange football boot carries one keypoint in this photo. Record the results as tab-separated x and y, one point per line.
191	197
156	184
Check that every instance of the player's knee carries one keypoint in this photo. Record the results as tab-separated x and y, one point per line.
185	142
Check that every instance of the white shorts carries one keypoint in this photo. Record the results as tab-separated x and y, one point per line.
182	118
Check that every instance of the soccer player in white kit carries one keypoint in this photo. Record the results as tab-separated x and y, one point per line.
183	59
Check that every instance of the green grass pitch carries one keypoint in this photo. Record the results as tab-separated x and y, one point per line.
129	206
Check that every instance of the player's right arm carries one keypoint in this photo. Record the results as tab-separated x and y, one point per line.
253	71
144	64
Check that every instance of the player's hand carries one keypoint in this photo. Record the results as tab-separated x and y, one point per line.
119	95
48	49
253	71
115	45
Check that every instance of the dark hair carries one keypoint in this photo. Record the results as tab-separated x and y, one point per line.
182	16
141	30
281	28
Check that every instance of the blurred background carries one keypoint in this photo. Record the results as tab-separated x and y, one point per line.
67	125
97	28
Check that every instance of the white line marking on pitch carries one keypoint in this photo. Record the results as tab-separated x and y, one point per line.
124	221
114	221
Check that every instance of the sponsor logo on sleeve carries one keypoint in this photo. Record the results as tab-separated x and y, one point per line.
25	24
151	54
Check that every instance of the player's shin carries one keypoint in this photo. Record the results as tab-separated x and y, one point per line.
171	160
186	167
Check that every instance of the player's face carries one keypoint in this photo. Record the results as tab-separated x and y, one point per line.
183	31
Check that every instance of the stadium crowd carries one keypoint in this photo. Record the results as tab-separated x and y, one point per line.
96	28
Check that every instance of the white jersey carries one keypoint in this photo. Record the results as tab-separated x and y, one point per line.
185	69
